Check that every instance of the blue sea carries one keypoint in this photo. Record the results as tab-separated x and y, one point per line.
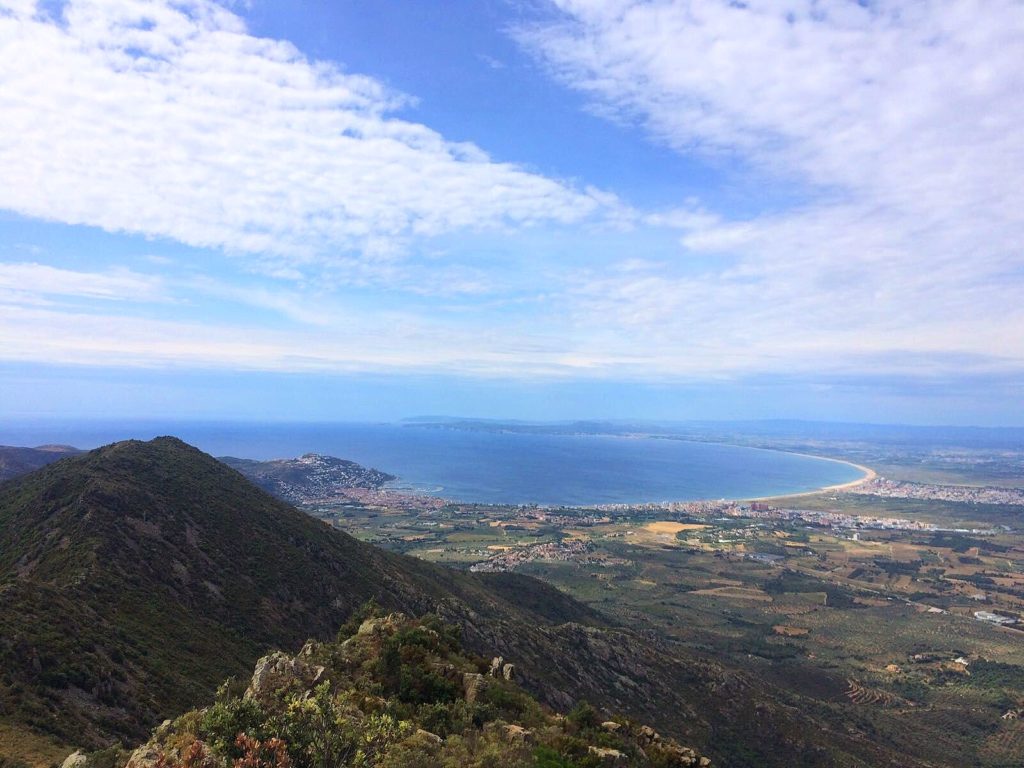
489	467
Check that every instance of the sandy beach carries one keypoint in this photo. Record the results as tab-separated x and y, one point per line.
869	474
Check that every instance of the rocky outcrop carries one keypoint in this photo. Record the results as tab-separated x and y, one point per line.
76	759
472	684
381	625
608	756
279	670
146	756
515	735
668	751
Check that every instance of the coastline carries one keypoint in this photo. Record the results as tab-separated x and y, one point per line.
869	475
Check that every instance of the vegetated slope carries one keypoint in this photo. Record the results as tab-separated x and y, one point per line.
309	477
17	461
137	577
395	693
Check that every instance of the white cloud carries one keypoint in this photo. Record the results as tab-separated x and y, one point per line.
167	118
367	341
902	123
38	281
901	126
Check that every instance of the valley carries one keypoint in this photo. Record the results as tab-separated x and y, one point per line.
843	627
901	614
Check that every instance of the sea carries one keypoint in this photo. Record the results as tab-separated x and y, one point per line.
488	467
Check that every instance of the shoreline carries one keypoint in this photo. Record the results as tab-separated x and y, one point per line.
869	475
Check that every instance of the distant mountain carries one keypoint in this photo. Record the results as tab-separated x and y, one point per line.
137	577
309	477
17	461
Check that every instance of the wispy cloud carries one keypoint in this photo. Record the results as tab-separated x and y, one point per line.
170	119
904	126
899	126
39	281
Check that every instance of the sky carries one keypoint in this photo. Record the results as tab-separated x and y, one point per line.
545	209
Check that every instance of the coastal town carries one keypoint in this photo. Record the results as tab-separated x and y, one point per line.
967	494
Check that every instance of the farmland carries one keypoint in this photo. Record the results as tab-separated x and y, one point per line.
860	606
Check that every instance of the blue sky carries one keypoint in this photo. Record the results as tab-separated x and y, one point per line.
613	208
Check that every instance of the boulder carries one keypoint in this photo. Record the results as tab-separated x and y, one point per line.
611	726
76	759
648	735
381	624
146	756
495	670
472	684
279	670
427	736
508	671
515	735
608	756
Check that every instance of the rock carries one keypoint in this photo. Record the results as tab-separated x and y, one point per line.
145	756
381	624
608	756
163	730
508	671
496	663
671	753
279	670
76	759
472	684
428	736
515	735
647	736
611	726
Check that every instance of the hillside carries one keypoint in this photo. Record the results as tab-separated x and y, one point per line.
134	579
394	692
16	461
309	477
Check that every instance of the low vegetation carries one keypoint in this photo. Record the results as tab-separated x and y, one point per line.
393	692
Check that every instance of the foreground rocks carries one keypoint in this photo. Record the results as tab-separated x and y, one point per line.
397	693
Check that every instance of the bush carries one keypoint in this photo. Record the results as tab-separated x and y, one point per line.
222	723
583	717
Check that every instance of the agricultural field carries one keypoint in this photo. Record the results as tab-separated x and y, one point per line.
871	621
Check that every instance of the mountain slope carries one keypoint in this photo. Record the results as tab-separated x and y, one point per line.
135	578
397	693
17	461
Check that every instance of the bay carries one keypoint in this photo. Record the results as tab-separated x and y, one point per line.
490	467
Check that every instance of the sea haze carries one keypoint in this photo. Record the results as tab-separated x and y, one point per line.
491	467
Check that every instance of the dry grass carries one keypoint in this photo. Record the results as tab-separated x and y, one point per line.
736	593
19	743
667	526
789	631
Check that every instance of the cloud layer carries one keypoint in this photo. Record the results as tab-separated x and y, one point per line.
904	127
897	129
168	118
